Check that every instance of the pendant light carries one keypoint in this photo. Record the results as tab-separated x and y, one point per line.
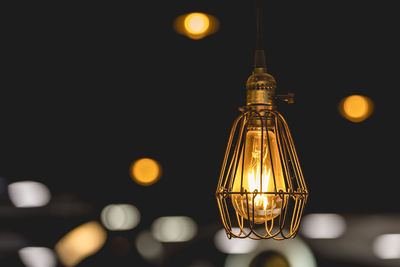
261	191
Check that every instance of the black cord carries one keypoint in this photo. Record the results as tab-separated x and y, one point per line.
259	55
259	35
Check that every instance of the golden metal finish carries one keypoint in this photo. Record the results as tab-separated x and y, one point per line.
260	88
242	220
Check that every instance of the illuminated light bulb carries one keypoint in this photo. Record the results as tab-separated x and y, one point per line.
196	25
145	171
356	108
259	178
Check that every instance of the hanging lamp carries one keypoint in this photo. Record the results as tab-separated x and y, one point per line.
261	191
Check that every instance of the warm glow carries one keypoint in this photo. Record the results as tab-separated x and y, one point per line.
145	171
80	243
196	25
266	206
356	108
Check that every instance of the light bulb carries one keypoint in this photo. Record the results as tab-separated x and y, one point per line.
259	171
261	181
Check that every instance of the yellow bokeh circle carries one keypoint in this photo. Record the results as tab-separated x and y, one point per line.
145	171
196	23
356	108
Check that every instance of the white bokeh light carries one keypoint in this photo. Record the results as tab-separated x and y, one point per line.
28	194
233	245
174	229
120	217
387	246
149	248
323	226
37	257
296	252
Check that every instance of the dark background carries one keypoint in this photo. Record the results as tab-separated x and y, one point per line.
87	88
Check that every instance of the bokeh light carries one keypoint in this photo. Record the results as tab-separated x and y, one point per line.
174	229
269	258
37	257
323	226
295	251
233	245
196	25
356	108
145	171
120	217
28	194
387	246
81	242
148	247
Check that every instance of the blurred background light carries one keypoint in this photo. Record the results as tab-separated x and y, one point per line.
37	257
234	245
269	258
387	246
323	226
356	108
292	252
120	217
174	229
28	194
148	247
81	242
145	171
196	25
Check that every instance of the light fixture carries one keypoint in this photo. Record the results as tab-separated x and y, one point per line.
261	181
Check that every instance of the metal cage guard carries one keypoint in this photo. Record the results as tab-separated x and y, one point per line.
240	221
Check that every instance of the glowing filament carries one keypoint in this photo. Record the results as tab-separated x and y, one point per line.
254	184
262	190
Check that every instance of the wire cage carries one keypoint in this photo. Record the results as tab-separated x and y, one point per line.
261	191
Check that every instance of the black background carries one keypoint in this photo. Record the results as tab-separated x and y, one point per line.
87	88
